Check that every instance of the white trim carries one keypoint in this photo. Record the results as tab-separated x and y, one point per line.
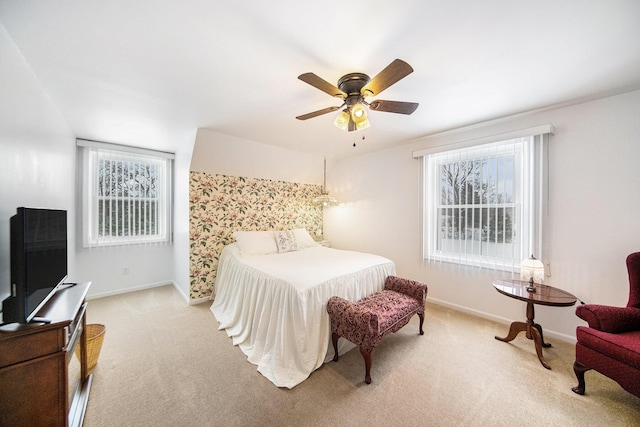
201	300
536	130
571	339
91	296
529	165
91	152
123	148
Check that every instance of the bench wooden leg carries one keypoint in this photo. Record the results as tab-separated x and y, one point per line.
367	365
334	339
421	322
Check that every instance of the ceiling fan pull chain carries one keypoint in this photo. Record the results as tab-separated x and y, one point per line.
354	140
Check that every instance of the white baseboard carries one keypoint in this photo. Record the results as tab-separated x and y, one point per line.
548	333
134	289
200	300
185	297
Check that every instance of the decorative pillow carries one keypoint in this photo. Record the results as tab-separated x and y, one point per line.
286	241
303	238
256	242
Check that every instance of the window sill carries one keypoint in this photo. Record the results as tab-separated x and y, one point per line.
512	267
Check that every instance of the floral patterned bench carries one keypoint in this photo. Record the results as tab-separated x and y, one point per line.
367	321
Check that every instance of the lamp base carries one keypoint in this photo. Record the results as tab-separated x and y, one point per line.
531	287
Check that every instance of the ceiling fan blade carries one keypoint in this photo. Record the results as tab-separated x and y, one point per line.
395	71
317	113
393	106
322	84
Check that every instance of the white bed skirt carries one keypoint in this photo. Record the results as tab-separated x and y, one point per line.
274	307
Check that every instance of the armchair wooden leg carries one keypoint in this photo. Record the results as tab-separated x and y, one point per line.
334	338
579	370
421	322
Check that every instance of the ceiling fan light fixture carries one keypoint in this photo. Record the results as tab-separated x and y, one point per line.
354	88
363	124
358	113
342	120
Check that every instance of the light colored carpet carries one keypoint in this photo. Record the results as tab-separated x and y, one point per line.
164	363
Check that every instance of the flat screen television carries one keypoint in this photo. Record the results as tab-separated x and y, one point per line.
38	261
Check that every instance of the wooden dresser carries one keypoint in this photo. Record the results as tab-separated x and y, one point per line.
42	383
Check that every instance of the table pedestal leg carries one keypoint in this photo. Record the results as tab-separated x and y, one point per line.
533	332
539	328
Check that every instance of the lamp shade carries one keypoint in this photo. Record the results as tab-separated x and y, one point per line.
358	113
342	120
325	200
363	124
532	268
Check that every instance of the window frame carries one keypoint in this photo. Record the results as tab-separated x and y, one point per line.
91	154
529	224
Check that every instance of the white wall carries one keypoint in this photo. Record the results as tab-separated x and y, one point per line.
118	269
227	155
37	167
181	216
593	211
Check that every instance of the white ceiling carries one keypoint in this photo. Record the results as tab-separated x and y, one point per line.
150	72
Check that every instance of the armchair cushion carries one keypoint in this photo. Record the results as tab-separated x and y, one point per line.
611	343
624	347
610	319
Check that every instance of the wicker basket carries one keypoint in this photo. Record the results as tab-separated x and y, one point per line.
95	336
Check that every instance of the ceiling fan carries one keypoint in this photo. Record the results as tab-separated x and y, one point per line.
353	88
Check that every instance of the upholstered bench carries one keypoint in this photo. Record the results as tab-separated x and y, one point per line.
367	321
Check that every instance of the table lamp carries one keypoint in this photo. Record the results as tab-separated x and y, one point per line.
532	269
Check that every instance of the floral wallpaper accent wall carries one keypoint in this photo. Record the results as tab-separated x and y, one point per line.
220	205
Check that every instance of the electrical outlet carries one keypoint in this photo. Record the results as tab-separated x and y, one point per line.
125	270
548	269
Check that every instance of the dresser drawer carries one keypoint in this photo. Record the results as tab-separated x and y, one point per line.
20	347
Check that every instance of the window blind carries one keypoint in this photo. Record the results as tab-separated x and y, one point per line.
478	204
127	195
483	203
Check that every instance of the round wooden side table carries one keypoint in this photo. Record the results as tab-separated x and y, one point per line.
543	295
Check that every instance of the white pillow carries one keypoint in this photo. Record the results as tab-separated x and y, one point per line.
256	242
285	240
303	238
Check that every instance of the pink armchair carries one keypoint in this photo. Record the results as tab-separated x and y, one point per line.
611	342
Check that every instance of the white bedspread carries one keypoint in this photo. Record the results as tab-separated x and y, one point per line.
275	306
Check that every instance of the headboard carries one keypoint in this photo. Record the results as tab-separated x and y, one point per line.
220	205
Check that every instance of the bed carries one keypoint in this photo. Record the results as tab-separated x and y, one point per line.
273	303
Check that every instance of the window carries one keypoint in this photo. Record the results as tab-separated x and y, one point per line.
126	194
483	203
